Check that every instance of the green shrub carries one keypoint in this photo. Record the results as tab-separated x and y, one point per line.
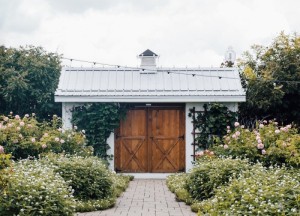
261	191
89	177
33	188
210	173
5	160
268	143
177	184
24	137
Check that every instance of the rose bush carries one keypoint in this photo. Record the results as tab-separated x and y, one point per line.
267	143
23	137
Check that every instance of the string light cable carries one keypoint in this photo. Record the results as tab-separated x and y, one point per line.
172	72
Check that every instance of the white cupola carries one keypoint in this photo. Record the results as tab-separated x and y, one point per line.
148	59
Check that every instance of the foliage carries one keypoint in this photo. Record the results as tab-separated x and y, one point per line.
271	76
5	160
33	188
267	143
212	122
89	177
95	187
28	79
98	120
210	173
260	191
177	184
23	137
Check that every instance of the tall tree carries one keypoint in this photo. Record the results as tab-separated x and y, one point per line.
28	79
271	77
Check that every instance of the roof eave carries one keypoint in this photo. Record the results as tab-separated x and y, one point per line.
152	99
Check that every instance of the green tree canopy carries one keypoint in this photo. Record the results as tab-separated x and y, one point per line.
28	79
271	76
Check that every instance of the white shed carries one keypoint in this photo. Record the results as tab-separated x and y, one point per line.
156	134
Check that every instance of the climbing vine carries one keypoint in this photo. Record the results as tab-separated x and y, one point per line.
212	124
99	120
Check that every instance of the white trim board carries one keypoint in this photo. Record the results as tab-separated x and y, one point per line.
148	175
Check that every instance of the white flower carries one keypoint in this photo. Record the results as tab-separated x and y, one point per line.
17	117
75	127
261	126
277	131
33	139
56	139
33	114
5	119
236	124
1	149
225	146
22	124
83	131
26	116
62	141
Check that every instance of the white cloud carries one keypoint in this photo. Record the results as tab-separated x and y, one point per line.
184	33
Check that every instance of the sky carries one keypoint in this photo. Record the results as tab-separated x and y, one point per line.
183	33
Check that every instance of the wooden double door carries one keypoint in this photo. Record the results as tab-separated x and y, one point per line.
151	139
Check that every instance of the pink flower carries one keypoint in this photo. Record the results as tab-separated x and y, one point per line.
225	146
45	135
277	131
1	149
227	138
33	139
200	153
265	121
258	137
276	123
236	124
211	153
237	133
26	116
259	141
29	126
9	125
22	124
56	139
260	146
261	126
263	152
289	126
228	127
62	141
44	146
233	136
17	117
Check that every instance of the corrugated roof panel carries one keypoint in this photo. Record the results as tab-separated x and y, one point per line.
183	82
144	81
103	80
167	83
159	81
120	80
128	80
88	82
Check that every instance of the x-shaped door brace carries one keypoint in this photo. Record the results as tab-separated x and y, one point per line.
133	153
165	152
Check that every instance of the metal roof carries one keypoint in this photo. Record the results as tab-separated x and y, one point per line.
136	85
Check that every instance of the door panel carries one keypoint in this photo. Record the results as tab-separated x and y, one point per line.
131	142
151	140
166	140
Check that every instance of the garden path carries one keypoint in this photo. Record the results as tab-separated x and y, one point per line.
146	197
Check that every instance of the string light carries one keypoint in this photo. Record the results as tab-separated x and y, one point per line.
173	72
